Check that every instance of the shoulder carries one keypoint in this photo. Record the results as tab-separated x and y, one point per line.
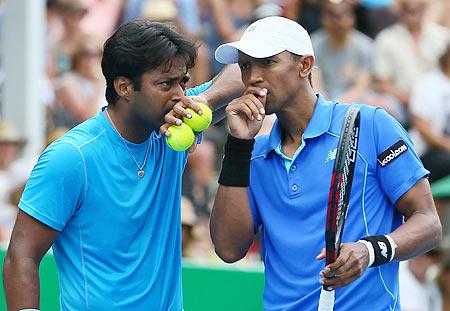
367	115
389	34
261	146
438	31
361	39
319	37
84	133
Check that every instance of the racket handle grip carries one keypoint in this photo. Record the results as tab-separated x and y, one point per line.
326	301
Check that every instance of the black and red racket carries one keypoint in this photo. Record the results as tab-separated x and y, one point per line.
339	196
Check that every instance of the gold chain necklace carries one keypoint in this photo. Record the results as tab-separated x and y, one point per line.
140	172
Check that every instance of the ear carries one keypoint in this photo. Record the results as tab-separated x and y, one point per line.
305	65
123	86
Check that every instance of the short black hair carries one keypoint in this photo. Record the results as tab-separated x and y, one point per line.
140	46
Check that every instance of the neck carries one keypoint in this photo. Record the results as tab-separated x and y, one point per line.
295	118
414	29
447	72
338	40
128	128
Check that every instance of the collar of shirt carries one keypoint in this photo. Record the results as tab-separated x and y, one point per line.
318	125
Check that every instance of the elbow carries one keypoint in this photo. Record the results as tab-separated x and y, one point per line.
437	233
229	256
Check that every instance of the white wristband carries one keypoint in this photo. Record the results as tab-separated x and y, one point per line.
371	251
393	245
29	310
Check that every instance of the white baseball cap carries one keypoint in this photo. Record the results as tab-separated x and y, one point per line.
267	37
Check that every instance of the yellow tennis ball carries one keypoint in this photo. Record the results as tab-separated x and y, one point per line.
198	122
182	137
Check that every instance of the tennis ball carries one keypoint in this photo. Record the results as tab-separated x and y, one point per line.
198	122
181	137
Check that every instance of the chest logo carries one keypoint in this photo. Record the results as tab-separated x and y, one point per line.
331	155
392	153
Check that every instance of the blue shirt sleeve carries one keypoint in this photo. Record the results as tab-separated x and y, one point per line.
56	186
198	89
398	165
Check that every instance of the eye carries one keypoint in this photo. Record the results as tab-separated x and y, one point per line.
184	82
244	66
268	61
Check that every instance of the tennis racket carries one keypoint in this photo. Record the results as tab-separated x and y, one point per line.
339	196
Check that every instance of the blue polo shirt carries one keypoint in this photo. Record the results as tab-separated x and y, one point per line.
288	200
119	242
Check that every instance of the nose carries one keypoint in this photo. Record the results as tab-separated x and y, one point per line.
178	92
255	76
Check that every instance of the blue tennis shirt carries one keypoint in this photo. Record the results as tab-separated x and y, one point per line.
288	199
119	246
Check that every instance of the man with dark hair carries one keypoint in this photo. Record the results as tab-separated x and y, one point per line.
107	194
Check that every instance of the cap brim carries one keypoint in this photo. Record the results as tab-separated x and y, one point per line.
228	53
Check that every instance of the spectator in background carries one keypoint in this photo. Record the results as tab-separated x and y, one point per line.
440	12
11	143
419	290
188	221
61	51
430	109
373	15
102	18
444	285
343	55
166	11
221	20
406	50
199	179
305	12
80	92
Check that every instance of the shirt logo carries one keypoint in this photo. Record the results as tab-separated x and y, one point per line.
331	155
251	28
392	153
383	249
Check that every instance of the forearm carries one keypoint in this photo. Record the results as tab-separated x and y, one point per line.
226	85
433	140
359	88
222	19
437	141
420	233
231	223
21	283
389	88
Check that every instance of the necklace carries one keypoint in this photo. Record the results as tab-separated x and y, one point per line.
140	172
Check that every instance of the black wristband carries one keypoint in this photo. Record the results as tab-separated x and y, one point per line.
236	162
382	249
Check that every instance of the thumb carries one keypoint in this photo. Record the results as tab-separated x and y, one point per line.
321	254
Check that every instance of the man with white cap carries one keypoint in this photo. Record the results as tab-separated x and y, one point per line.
280	183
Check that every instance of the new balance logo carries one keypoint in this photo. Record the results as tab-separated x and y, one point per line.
392	153
251	28
331	155
383	249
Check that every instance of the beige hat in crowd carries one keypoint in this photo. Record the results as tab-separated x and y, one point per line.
159	10
10	134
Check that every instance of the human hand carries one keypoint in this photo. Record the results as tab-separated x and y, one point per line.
178	111
245	114
350	265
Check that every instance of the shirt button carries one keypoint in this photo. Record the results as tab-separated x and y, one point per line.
293	168
294	187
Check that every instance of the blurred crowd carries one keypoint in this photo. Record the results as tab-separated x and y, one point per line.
389	53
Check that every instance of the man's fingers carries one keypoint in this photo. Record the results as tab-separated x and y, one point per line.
190	102
248	105
172	118
322	254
